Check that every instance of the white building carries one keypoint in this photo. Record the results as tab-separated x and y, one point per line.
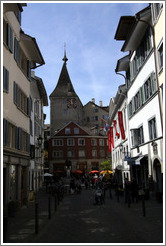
143	101
120	145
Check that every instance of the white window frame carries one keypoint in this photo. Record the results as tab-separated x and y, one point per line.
76	130
94	142
101	142
57	154
57	142
81	153
67	130
94	153
70	142
81	141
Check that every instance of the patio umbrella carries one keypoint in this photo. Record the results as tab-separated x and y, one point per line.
94	171
77	171
106	171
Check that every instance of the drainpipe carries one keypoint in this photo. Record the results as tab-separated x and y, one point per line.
156	71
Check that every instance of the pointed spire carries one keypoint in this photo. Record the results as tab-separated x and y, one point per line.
65	57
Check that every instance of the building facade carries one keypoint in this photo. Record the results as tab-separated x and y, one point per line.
38	101
146	137
79	146
20	54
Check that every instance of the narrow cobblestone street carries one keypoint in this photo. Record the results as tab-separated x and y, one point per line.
78	220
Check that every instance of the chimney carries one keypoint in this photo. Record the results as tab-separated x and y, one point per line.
101	104
93	100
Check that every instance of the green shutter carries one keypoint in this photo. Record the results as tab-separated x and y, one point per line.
133	105
5	132
28	143
10	38
143	94
16	50
153	82
19	138
16	138
131	71
140	97
5	80
15	92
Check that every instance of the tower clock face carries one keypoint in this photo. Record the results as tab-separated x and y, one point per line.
71	103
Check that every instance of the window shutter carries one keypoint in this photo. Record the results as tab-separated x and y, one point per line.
5	80
5	132
16	50
10	38
15	92
153	82
28	143
19	138
18	95
140	95
16	138
143	94
133	105
29	106
131	71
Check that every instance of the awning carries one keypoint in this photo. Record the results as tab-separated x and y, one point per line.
135	160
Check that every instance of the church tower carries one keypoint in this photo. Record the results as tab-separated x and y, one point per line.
65	105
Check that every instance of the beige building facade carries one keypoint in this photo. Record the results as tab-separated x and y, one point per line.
20	55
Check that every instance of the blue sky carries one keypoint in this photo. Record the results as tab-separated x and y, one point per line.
88	29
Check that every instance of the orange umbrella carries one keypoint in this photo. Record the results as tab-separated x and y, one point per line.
106	171
77	171
94	171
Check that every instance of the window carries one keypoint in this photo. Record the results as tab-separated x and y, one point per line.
152	129
160	56
102	153
81	141
9	38
101	142
16	50
67	130
137	136
57	142
141	53
81	153
138	99
57	154
70	153
94	153
147	89
88	119
140	135
95	110
5	80
76	130
70	142
15	137
20	99
95	118
94	142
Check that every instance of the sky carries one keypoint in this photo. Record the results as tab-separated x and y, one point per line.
88	30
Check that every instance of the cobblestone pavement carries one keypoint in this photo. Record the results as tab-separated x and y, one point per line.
78	220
